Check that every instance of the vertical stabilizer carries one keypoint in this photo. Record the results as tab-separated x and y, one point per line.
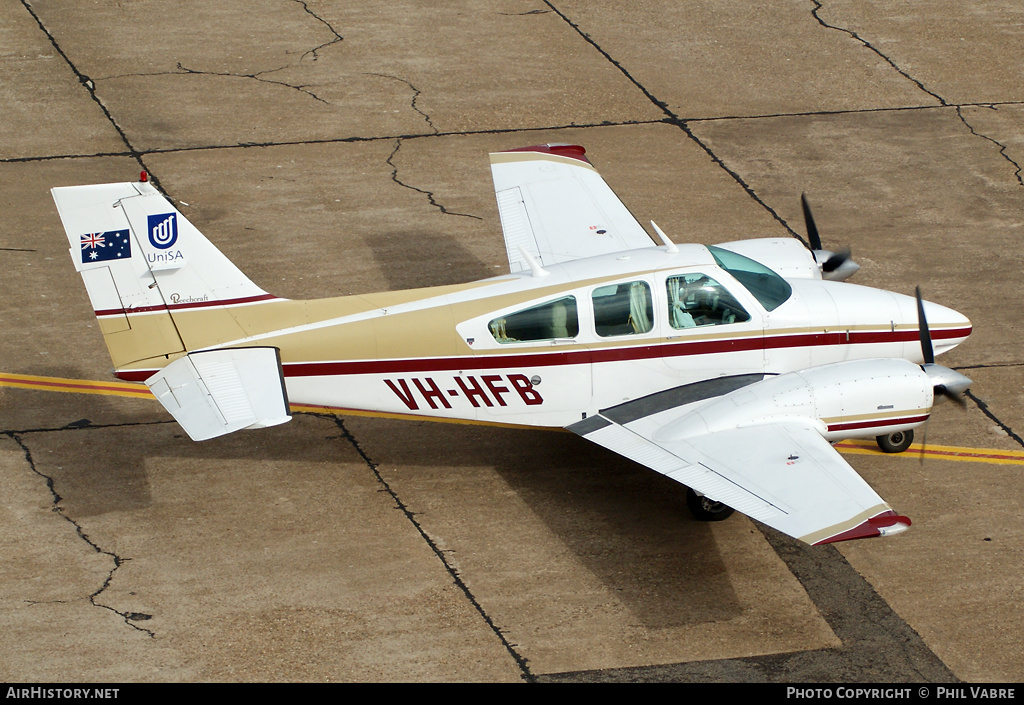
158	286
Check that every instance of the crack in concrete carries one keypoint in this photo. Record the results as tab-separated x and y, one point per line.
90	86
524	14
56	498
1002	147
942	101
330	28
814	13
521	661
416	92
334	140
257	76
429	194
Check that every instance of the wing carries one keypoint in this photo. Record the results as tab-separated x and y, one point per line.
554	204
783	474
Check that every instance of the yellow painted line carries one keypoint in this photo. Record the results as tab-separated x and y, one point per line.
140	391
970	455
76	386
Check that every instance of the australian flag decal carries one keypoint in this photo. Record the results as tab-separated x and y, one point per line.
101	247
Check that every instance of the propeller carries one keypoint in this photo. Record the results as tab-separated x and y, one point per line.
948	384
836	266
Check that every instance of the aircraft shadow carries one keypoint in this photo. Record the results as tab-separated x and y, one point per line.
401	258
627	525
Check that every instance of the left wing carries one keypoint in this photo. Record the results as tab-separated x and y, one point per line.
554	204
781	472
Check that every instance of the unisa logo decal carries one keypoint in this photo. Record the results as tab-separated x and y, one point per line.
163	230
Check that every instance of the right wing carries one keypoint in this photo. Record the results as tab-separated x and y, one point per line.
554	204
782	473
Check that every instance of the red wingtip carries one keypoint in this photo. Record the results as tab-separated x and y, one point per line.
884	524
572	151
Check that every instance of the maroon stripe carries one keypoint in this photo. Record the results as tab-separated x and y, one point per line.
877	423
178	307
859	338
633	352
135	375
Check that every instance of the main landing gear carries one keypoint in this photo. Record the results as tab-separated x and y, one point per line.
705	509
895	442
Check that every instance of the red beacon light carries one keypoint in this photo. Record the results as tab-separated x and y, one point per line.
143	177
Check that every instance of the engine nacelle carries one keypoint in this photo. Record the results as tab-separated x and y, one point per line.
783	255
855	399
789	258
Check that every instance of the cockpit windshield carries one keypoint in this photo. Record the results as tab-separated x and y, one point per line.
766	286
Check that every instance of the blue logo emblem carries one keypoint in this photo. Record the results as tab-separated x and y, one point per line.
163	230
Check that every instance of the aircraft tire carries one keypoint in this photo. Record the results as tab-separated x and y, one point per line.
705	509
895	442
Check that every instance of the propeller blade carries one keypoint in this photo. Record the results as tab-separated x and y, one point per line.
835	261
812	229
922	329
924	441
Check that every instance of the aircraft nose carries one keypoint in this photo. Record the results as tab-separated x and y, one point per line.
948	328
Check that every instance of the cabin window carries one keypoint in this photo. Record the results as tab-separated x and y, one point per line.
768	288
549	321
623	309
698	300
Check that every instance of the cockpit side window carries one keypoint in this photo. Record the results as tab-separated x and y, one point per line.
698	300
623	309
548	321
768	288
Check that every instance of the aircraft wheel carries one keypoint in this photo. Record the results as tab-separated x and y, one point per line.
706	509
895	442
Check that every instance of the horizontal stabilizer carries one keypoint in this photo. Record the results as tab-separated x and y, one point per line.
216	392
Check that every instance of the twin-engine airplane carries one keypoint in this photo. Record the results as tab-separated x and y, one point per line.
730	369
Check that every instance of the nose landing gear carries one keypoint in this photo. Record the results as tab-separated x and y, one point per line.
895	442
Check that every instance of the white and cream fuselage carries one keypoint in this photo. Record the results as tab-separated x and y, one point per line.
729	369
558	381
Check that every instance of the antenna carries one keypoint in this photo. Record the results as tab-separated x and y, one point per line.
535	267
669	245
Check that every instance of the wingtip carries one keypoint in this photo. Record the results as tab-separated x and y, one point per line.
885	524
572	151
